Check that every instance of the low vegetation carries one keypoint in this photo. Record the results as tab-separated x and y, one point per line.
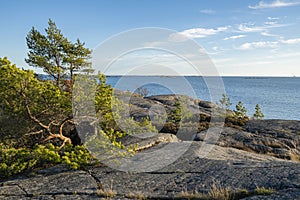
264	191
220	193
17	160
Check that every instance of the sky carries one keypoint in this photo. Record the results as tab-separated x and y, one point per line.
241	37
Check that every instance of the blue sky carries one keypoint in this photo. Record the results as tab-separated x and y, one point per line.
242	37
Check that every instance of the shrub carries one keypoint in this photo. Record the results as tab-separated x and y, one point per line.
16	160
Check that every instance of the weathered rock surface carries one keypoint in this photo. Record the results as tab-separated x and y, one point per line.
193	171
277	138
142	107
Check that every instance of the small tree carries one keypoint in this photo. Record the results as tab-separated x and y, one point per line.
240	111
225	102
176	114
143	91
259	115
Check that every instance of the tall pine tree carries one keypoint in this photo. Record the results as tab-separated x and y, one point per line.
55	54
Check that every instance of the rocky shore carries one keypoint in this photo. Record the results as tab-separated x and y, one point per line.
261	154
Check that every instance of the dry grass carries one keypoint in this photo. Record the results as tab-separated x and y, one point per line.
219	192
136	195
189	195
106	193
264	191
216	192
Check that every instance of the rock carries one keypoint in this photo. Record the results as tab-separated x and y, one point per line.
159	105
148	140
193	171
259	141
207	104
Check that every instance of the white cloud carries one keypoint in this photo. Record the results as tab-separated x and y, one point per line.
256	45
249	28
291	41
271	23
273	18
202	32
215	48
208	11
274	4
234	37
267	44
266	33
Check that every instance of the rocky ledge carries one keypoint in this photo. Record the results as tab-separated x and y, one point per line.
258	155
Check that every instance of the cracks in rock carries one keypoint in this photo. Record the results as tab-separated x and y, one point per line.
23	189
93	176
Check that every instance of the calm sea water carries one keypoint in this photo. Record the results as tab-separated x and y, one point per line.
279	98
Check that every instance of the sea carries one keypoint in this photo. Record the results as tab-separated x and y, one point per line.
278	97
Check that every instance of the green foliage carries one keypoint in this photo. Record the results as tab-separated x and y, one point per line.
130	126
225	102
35	105
181	113
55	54
240	111
107	107
36	111
259	115
176	113
14	161
239	117
76	157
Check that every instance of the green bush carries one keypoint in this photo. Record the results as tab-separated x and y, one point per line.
16	160
76	157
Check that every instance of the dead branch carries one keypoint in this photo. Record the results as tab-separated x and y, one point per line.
34	133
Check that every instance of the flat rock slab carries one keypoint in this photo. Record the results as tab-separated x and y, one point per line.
191	171
46	185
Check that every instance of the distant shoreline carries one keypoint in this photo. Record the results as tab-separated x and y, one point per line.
166	76
172	76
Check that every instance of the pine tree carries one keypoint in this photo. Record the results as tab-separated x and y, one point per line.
240	111
225	102
258	113
55	54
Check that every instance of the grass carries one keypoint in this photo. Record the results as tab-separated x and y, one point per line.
109	193
215	193
136	195
218	192
264	191
106	193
